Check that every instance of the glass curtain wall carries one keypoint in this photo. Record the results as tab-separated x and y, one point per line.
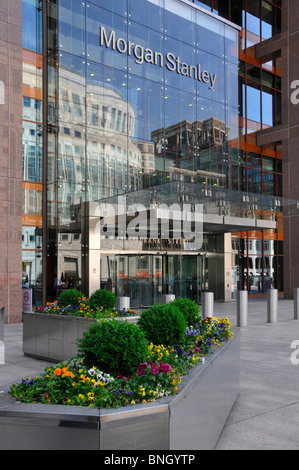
140	93
256	169
32	141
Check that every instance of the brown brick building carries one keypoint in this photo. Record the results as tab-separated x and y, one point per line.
285	47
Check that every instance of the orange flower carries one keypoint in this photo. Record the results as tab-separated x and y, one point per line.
57	371
67	373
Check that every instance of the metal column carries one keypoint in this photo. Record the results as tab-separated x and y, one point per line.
296	303
242	308
272	300
207	304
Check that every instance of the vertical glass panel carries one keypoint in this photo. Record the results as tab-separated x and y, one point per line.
33	78
72	92
179	106
268	183
120	7
254	160
32	152
231	44
278	21
106	38
268	20
237	11
212	76
268	163
231	85
147	13
32	238
221	8
32	109
32	202
253	16
145	52
181	68
254	180
32	263
32	25
71	14
147	99
210	34
179	22
253	103
267	106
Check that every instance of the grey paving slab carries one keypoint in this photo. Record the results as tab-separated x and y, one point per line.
266	413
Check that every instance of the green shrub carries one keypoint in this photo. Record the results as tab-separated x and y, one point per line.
113	346
102	298
163	324
189	309
70	297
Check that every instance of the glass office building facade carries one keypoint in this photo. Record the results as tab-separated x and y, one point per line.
152	101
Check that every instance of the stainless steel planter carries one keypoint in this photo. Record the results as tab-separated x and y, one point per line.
54	337
192	420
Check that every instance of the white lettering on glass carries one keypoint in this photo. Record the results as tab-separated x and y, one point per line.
142	54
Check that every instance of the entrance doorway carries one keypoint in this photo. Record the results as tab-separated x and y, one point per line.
146	277
184	276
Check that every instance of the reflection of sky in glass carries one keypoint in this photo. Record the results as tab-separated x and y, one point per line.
32	25
253	104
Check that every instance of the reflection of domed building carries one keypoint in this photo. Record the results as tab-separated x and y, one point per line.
105	162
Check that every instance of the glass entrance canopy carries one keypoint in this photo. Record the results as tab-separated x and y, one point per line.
188	208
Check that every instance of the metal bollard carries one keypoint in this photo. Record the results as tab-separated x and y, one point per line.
2	310
123	302
296	303
272	299
168	298
207	304
242	308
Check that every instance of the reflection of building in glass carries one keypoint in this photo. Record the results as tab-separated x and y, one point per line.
96	162
196	151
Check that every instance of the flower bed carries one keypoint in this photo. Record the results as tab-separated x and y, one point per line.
84	310
74	383
172	374
52	331
190	420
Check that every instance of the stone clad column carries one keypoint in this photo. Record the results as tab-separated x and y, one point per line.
11	158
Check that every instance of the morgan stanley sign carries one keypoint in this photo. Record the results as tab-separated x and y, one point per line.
142	54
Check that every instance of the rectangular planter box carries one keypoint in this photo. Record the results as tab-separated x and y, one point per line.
191	420
53	337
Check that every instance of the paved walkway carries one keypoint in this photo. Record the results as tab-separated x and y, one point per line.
266	413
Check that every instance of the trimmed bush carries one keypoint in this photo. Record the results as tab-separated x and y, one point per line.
70	297
189	309
113	346
102	298
163	324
